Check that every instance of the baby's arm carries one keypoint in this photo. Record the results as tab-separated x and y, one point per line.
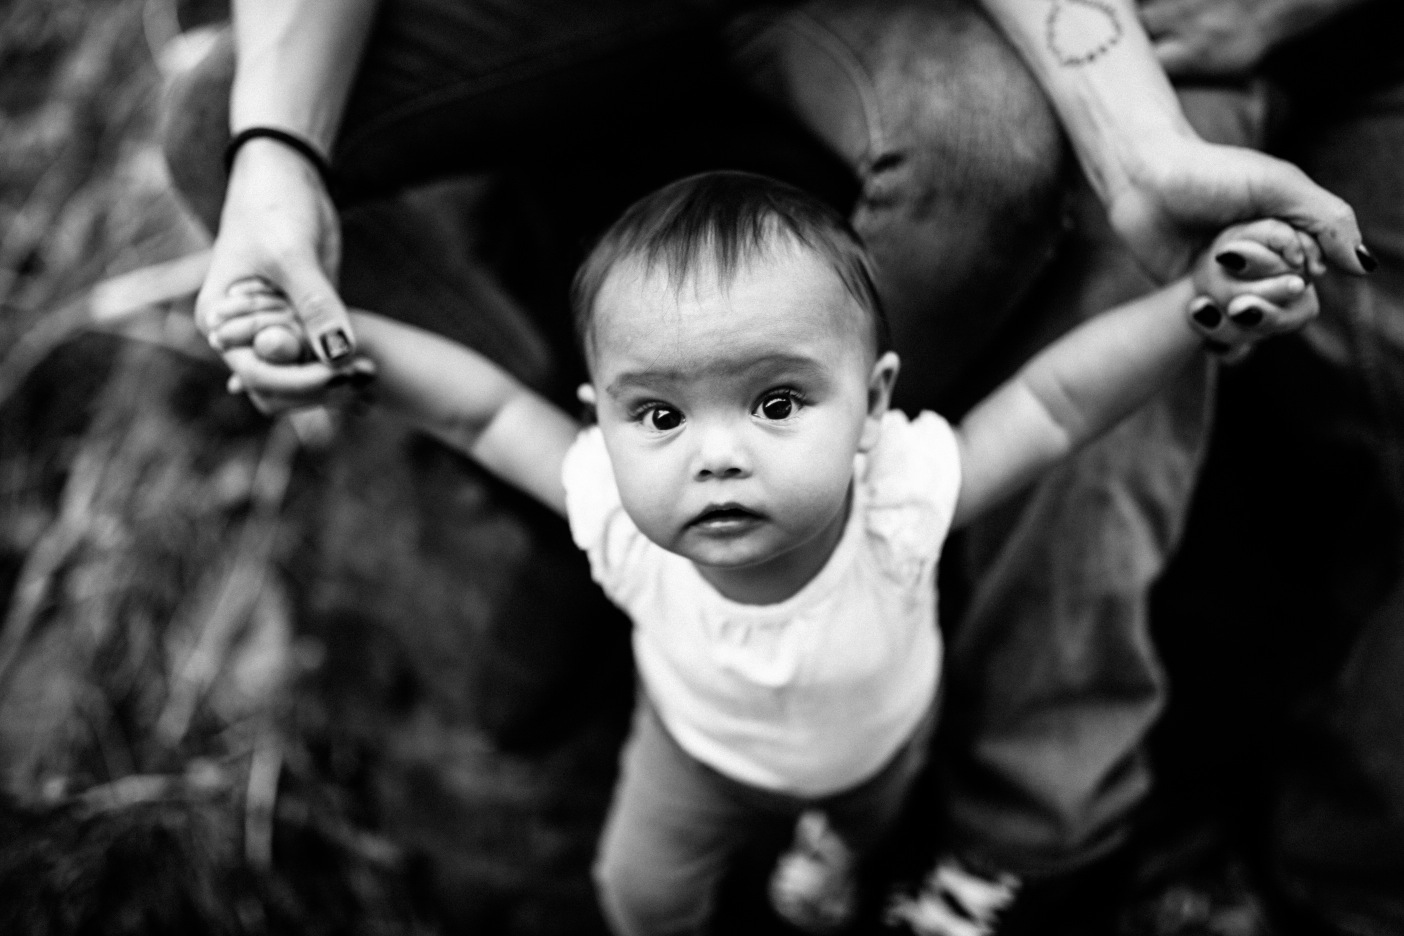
1090	379
448	390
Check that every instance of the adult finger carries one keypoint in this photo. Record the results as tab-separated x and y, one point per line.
1279	290
1249	307
280	344
1252	260
1284	191
1276	235
1262	317
1205	315
233	306
240	330
302	381
1235	354
1316	265
1252	320
269	404
251	286
322	313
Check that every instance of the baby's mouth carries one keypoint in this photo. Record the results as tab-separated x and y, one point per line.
722	516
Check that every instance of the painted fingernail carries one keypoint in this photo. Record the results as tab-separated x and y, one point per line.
1248	318
1367	259
336	345
1204	312
355	379
1232	261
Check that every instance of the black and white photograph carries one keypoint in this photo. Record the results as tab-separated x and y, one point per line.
702	467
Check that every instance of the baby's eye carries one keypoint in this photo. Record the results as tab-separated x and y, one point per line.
779	405
663	418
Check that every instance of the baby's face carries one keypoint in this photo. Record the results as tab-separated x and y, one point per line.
732	410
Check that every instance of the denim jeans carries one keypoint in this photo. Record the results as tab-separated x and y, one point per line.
913	117
1283	618
676	826
1054	681
1338	817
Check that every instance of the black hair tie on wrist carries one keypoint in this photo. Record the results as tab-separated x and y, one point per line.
291	140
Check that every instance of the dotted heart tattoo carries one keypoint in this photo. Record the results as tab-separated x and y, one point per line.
1081	31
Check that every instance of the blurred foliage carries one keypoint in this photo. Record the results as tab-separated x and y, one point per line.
246	686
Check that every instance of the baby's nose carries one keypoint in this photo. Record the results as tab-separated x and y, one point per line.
721	454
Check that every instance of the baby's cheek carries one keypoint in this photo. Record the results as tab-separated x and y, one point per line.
647	498
819	481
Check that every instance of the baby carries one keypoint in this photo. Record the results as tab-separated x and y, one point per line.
769	524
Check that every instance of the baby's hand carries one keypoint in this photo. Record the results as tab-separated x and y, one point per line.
1252	283
259	333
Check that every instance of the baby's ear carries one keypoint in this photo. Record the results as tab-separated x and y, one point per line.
881	379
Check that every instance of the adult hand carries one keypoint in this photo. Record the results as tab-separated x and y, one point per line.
279	225
262	340
1184	193
1227	38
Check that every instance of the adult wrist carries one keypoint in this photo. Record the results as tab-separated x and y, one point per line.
1150	160
292	142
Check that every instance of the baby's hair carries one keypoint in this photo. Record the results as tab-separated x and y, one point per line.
727	217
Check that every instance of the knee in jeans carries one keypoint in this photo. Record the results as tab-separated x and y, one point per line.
963	123
195	129
638	897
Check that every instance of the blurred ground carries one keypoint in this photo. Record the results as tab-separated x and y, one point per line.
247	686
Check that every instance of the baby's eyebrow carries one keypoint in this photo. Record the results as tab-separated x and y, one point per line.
794	366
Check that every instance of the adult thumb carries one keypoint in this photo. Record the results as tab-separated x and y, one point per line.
323	315
1291	195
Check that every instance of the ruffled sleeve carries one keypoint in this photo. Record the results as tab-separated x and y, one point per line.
912	480
598	523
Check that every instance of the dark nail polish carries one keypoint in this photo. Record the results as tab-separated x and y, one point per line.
1249	317
335	344
355	379
1367	259
1208	316
1231	261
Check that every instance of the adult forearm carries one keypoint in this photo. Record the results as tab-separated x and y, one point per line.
1095	63
296	63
